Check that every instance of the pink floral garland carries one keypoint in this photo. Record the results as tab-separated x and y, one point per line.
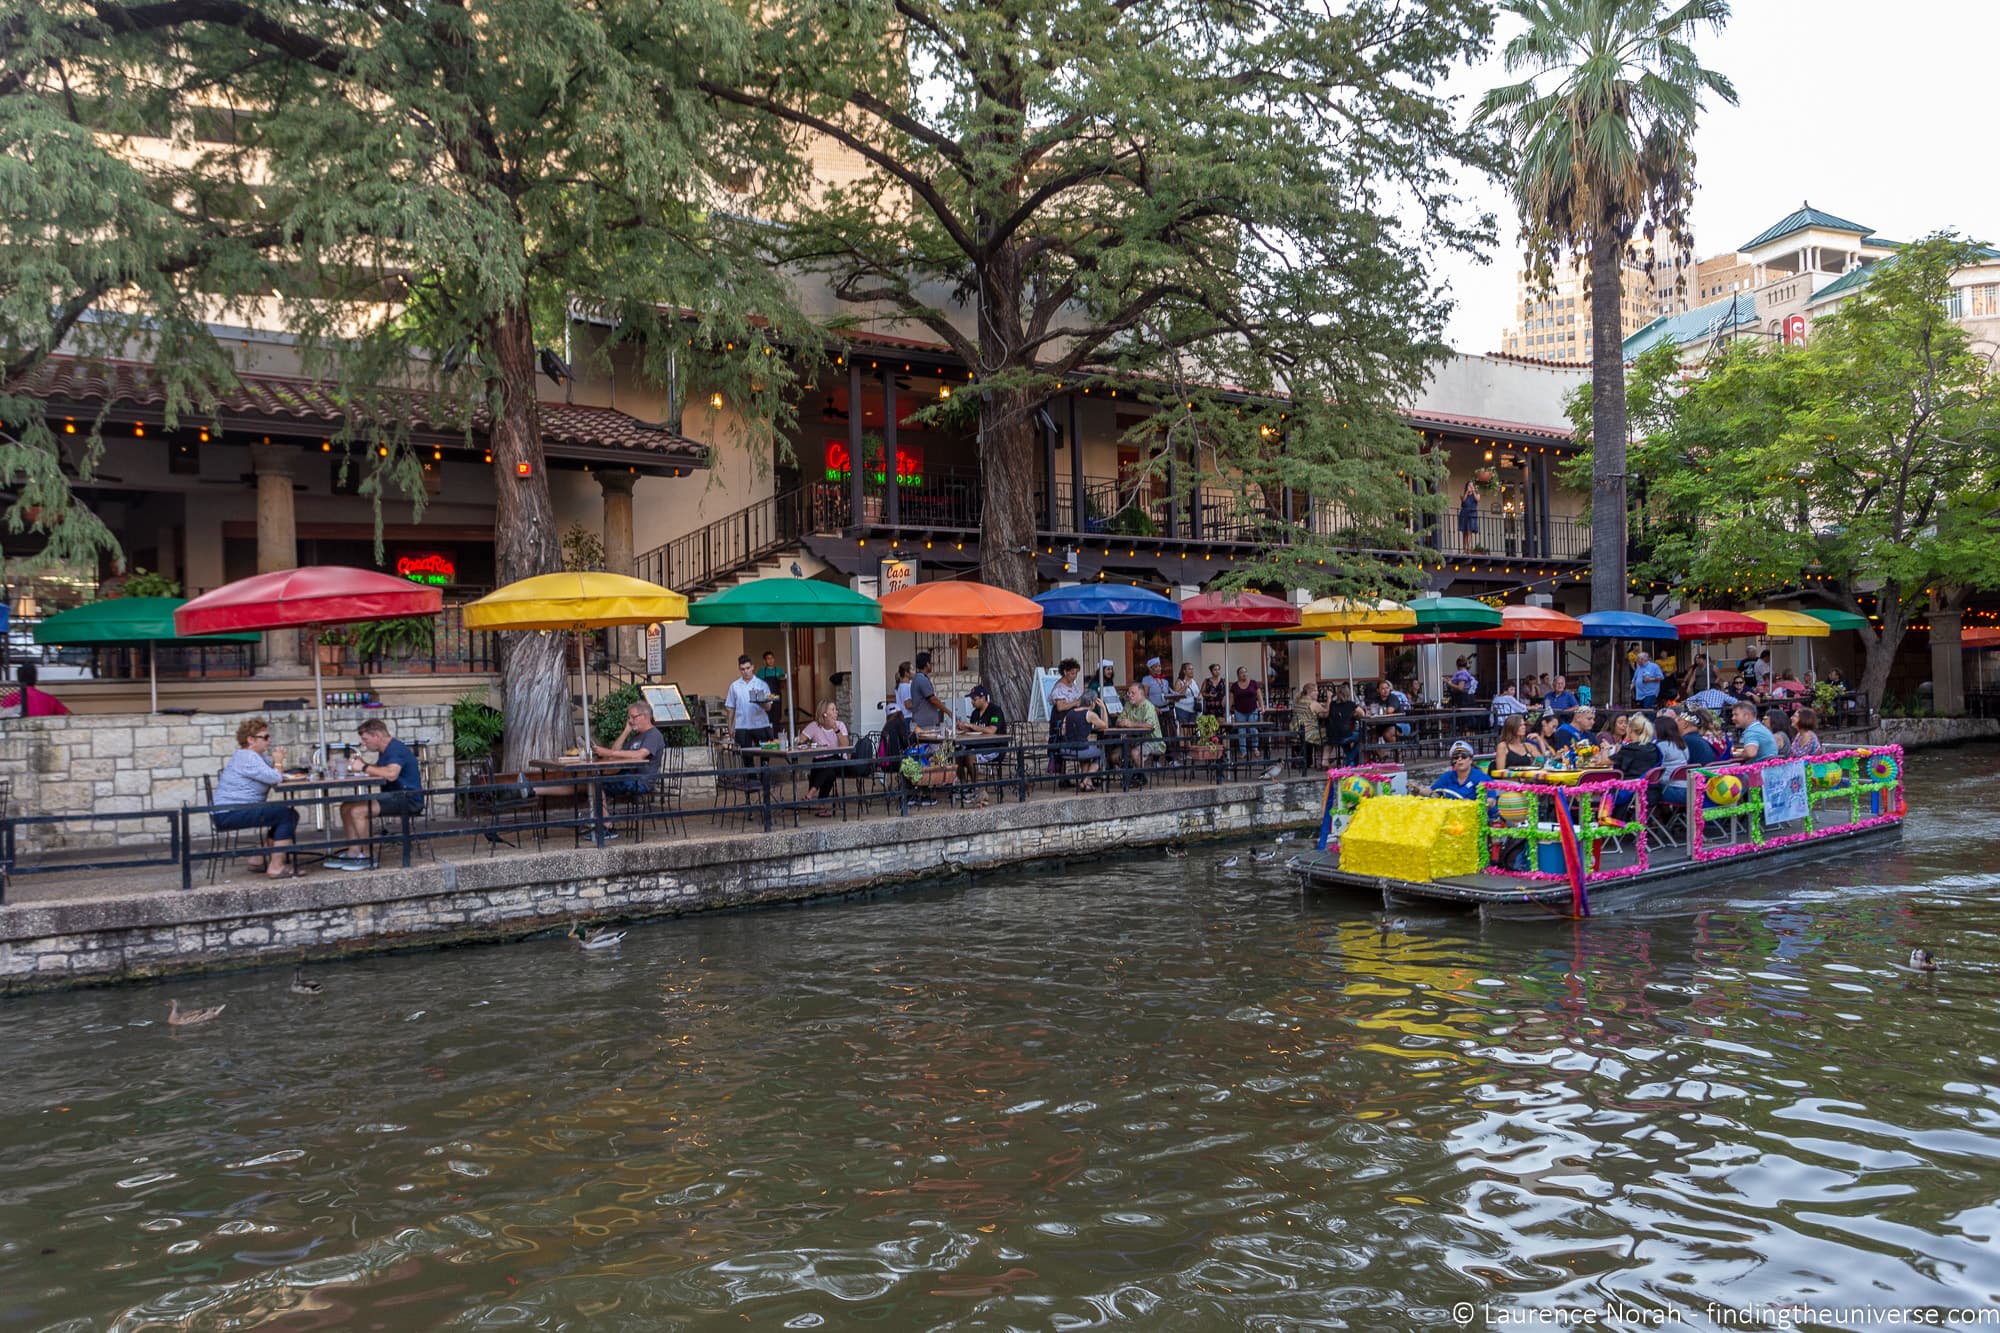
1588	831
1697	825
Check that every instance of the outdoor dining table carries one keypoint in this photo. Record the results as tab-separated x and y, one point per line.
577	765
320	789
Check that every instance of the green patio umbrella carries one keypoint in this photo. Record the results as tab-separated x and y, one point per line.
787	604
1439	614
1836	619
127	622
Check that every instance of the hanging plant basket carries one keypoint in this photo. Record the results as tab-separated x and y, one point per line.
1485	479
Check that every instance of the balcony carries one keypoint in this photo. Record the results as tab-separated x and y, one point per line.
950	503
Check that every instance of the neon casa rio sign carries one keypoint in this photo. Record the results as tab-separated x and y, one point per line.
431	567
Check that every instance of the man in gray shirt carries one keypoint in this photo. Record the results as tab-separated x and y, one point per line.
925	710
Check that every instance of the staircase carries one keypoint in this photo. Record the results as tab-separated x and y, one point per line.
716	556
759	541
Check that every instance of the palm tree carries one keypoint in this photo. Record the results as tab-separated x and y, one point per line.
1601	131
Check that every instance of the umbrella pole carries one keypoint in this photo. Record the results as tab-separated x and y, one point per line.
583	684
785	732
319	693
153	673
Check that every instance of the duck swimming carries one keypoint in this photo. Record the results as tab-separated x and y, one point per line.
177	1019
1921	961
594	939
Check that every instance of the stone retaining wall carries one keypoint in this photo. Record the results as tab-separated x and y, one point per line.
90	941
119	763
1915	733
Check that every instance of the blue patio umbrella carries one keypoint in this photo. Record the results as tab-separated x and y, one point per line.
1106	606
1625	625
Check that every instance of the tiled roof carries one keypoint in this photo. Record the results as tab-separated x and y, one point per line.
1453	421
1730	313
1805	216
568	429
1848	281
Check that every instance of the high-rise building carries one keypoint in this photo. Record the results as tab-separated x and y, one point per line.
1555	324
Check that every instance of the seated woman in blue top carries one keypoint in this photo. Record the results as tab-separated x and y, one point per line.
1461	781
245	788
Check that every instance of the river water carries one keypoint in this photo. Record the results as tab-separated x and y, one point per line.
1147	1093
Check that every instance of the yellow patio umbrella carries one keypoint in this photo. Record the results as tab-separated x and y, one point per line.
575	601
1351	617
1793	625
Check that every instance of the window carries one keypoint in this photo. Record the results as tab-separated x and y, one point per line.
1954	305
1985	300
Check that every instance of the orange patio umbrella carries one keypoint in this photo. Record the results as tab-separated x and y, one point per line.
955	606
1535	624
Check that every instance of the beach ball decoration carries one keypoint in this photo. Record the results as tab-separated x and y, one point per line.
1516	807
1356	788
1882	768
1823	777
1725	789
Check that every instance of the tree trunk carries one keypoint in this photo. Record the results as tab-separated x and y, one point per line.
533	673
1881	646
1007	456
1607	442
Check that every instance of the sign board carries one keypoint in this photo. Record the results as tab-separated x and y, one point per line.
1038	701
656	649
1795	330
1784	793
668	705
897	575
432	568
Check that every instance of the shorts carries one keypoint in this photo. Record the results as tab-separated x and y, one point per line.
399	803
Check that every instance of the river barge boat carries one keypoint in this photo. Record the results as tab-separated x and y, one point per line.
1559	842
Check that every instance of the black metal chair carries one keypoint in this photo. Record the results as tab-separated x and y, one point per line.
505	805
220	840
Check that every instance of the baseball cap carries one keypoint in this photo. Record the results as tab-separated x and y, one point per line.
1461	748
980	692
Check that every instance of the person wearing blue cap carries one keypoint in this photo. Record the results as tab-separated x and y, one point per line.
1461	781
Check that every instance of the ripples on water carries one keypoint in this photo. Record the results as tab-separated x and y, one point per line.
1146	1094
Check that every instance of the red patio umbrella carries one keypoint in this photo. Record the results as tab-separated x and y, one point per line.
1237	610
1523	624
307	598
1702	626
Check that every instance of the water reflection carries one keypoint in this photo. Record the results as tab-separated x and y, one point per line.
1144	1094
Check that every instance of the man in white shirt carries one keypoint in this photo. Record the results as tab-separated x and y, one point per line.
745	702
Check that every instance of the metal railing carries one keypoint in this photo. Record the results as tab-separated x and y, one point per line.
754	795
698	561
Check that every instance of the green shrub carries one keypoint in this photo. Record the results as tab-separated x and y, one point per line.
476	727
607	715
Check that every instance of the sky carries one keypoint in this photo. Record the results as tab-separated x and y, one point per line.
1880	113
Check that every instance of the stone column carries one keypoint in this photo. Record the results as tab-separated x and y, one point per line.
1187	643
277	547
1947	663
627	642
1069	642
868	656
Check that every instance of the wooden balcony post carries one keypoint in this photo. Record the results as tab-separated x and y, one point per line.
892	454
855	471
1079	506
1050	510
1173	492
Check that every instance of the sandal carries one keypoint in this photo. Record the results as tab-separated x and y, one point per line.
258	863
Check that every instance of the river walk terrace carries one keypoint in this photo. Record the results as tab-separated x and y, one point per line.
543	868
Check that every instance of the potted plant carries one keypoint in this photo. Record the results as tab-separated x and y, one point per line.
1485	479
333	651
398	639
1206	748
